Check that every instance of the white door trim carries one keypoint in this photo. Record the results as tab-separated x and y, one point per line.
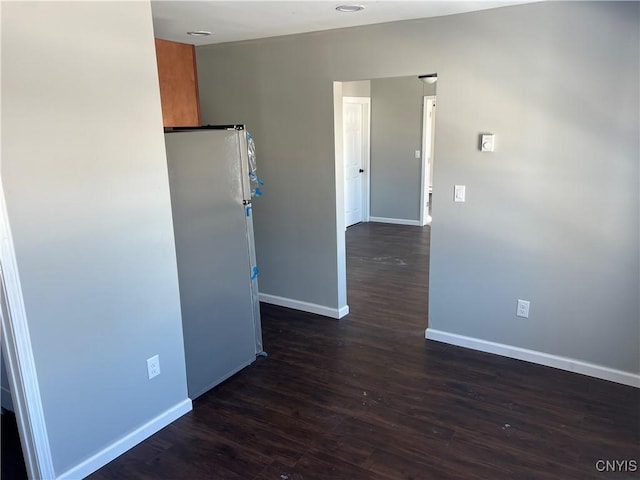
341	249
428	105
21	368
366	140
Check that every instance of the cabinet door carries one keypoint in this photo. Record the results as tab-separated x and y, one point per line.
178	84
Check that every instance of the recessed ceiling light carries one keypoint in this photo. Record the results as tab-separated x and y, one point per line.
199	33
349	8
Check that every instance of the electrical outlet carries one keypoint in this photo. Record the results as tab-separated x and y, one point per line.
153	366
523	309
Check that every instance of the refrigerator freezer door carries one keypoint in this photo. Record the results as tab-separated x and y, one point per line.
244	165
214	265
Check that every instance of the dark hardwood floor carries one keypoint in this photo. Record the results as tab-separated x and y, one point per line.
367	397
11	459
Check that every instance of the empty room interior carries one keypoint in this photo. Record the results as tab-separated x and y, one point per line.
320	240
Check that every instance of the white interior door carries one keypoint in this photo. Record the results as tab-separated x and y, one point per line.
428	131
356	118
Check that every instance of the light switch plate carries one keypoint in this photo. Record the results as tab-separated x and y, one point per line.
459	193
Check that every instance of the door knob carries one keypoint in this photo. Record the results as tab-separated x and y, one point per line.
361	170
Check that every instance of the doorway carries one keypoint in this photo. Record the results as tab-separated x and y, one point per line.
428	136
18	358
399	175
356	121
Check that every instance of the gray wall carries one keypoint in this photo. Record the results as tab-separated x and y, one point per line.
361	88
85	179
396	134
552	216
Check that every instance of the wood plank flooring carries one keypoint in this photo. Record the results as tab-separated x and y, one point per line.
12	462
367	397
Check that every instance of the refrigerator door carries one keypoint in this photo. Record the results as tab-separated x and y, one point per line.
255	299
246	188
214	264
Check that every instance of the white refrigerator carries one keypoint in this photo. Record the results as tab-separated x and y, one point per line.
212	181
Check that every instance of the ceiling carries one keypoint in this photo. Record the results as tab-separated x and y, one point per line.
231	21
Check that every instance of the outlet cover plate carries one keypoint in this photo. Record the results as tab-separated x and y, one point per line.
523	309
153	366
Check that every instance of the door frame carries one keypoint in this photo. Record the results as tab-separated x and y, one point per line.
20	362
428	124
366	141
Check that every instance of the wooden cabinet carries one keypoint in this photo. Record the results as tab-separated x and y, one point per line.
178	83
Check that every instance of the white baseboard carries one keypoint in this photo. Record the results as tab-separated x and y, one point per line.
116	449
563	363
304	306
7	400
396	221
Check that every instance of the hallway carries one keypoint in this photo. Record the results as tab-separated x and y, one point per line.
387	273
